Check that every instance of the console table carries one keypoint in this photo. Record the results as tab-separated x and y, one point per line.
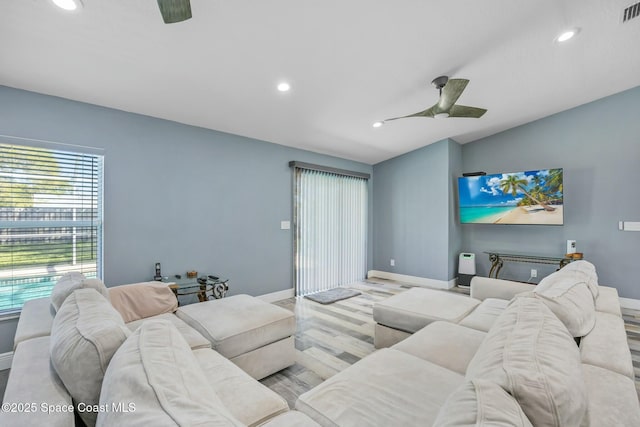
499	258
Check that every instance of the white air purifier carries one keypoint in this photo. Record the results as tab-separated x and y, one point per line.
466	269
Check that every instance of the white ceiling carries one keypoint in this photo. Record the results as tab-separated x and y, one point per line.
350	63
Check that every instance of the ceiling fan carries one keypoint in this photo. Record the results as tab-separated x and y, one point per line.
450	91
175	10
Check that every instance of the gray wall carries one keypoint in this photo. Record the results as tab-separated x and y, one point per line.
411	211
187	197
598	146
455	229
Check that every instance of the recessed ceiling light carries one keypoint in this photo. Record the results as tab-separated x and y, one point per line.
68	4
567	35
284	87
378	124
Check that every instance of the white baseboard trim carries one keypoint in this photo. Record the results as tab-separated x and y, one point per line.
278	295
413	280
630	303
5	360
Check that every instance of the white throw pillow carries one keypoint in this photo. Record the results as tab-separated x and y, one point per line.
86	332
532	356
156	377
71	281
481	403
572	302
578	271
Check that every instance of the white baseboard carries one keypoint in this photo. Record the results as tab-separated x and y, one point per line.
5	360
413	280
630	303
278	295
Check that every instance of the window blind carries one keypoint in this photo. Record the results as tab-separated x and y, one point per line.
330	230
50	220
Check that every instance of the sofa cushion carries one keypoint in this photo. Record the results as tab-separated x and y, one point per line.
577	271
33	380
608	301
606	345
386	388
414	309
193	337
488	287
485	314
530	354
481	403
71	281
446	344
613	399
156	372
246	399
142	300
291	419
86	333
572	302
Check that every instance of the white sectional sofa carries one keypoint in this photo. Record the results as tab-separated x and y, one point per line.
555	355
121	356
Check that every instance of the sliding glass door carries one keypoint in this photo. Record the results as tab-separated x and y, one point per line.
330	222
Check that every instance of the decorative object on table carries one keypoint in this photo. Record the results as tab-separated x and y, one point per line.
332	295
192	274
158	276
218	288
204	287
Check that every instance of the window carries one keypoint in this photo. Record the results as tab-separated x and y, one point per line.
50	220
330	219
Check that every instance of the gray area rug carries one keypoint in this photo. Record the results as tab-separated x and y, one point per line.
332	295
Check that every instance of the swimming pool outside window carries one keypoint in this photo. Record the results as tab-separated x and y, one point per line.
50	220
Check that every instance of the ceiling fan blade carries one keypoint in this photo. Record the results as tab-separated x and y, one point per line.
429	112
175	10
450	93
464	111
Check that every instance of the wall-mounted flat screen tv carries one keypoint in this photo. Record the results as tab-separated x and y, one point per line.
531	197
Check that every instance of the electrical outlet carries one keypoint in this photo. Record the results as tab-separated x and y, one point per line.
534	272
393	262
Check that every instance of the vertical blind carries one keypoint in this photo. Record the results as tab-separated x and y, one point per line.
50	220
330	230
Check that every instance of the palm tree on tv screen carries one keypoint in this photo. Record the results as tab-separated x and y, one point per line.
511	184
554	181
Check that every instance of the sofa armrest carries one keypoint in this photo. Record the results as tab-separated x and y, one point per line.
36	318
487	287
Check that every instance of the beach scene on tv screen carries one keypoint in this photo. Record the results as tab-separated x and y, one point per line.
531	197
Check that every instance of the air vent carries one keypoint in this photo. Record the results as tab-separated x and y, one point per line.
631	12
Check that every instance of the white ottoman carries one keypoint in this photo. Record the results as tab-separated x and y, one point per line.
253	334
405	313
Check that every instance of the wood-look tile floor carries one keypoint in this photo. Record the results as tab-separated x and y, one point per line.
632	326
330	338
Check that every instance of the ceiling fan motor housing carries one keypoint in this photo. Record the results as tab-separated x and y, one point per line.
440	82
